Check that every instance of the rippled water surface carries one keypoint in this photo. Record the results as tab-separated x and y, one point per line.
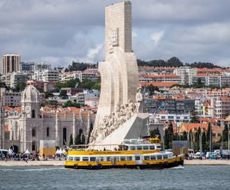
42	178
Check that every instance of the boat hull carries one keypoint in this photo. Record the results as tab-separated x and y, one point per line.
135	166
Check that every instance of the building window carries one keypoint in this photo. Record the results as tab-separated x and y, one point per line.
33	146
47	131
33	133
64	136
33	113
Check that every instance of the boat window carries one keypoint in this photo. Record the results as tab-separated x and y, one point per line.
92	159
153	157
159	146
137	158
122	158
108	158
77	159
132	148
139	147
70	158
146	157
165	156
159	157
86	159
145	147
115	158
100	159
152	147
129	158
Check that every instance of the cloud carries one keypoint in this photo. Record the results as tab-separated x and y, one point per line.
94	52
134	34
61	31
157	36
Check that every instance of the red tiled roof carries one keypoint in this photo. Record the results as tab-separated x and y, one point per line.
158	84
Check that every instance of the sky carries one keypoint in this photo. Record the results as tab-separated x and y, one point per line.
62	31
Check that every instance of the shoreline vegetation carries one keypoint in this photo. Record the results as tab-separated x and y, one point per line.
61	163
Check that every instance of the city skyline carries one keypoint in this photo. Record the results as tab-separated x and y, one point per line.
64	31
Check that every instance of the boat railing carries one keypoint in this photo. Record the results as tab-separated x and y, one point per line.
99	147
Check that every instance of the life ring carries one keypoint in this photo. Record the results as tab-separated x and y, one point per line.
89	166
75	166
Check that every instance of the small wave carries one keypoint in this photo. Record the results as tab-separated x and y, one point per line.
178	168
6	169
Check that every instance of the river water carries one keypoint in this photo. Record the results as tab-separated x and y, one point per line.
46	178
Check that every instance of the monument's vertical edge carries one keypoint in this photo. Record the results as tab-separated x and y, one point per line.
128	27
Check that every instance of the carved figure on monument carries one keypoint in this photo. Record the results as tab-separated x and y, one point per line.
139	100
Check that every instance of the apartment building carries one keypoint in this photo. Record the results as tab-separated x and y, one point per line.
220	107
10	63
186	74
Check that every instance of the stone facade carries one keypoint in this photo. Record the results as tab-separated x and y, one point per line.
34	124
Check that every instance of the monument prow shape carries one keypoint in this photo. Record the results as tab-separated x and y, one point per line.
120	114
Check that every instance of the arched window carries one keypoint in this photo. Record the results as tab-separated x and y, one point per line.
33	132
47	131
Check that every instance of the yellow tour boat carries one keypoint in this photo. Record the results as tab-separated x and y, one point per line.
132	153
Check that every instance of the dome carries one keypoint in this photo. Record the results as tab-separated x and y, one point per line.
31	94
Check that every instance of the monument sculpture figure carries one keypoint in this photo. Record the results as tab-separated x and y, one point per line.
121	100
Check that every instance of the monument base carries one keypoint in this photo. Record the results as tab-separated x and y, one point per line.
134	128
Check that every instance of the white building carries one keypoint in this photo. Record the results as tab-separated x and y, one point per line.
164	116
46	75
186	74
78	98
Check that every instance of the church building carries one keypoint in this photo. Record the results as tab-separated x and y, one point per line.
35	123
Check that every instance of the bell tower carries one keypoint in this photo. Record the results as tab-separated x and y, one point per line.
31	102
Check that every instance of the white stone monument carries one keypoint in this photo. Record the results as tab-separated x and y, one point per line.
120	110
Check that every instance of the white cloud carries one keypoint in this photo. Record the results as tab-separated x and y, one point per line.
93	52
156	37
134	34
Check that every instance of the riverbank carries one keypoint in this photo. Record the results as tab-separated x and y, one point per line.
207	162
32	163
61	163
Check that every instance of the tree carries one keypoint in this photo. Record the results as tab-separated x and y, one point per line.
184	136
97	86
169	136
151	89
71	104
155	133
20	87
80	138
209	137
71	140
194	117
48	94
174	62
63	94
225	133
90	131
